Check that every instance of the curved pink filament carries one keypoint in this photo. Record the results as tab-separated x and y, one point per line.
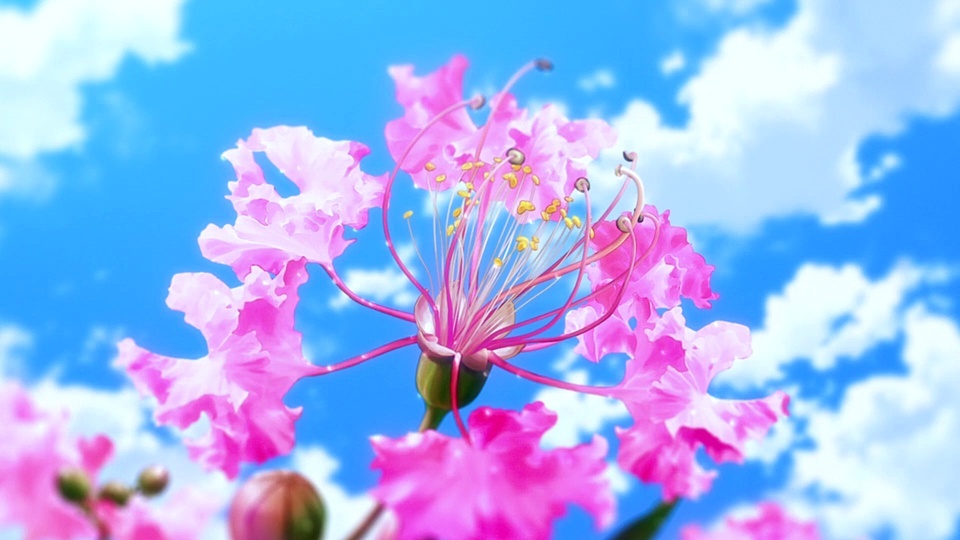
356	360
363	301
604	391
389	191
454	382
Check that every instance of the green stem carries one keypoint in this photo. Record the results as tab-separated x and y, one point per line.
432	417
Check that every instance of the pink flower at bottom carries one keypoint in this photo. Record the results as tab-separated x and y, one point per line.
769	522
503	485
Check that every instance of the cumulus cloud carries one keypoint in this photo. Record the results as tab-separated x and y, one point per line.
62	45
579	415
598	80
777	115
14	342
673	63
385	285
826	313
886	458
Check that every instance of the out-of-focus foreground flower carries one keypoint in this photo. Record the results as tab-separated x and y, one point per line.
512	223
36	449
768	521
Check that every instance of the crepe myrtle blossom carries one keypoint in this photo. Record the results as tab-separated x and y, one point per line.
512	227
39	459
768	521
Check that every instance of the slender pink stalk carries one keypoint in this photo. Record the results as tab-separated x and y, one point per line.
357	360
403	315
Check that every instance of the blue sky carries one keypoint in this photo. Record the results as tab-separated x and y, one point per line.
810	148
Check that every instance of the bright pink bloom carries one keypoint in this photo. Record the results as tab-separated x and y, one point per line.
500	484
254	357
665	390
180	517
770	522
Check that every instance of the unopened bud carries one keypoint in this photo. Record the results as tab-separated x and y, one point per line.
73	485
115	492
153	480
277	505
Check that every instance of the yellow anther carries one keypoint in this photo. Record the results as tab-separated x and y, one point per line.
527	169
535	244
522	243
563	212
545	216
429	166
407	214
467	166
512	178
486	174
591	234
469	186
497	262
478	164
552	209
576	221
457	212
536	180
524	207
568	198
516	167
568	222
456	224
450	229
441	178
464	193
556	202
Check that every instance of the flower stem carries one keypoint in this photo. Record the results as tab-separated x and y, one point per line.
432	417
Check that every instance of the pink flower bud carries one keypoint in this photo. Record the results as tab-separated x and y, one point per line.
277	505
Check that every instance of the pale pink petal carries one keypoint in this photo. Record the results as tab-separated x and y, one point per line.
502	486
665	388
768	522
271	230
182	516
255	357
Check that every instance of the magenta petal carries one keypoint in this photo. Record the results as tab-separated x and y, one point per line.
769	522
502	486
254	358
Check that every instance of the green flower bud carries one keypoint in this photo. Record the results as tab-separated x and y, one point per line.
433	382
115	492
73	485
153	480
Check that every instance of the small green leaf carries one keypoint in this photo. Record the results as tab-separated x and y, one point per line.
648	525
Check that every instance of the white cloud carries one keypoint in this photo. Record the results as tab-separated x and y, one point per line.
62	45
887	457
579	416
598	80
344	510
14	342
774	114
386	285
738	7
673	63
825	314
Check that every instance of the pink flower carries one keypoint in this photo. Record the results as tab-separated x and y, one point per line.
254	357
500	484
768	522
665	390
181	517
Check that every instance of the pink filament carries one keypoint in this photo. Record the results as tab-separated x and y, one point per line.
357	360
363	301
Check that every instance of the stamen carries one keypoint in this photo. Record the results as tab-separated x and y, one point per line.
407	214
440	178
383	349
582	185
525	206
515	156
430	167
544	64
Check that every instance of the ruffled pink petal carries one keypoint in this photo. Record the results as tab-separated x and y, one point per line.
254	357
503	486
672	269
768	522
665	389
271	230
182	516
